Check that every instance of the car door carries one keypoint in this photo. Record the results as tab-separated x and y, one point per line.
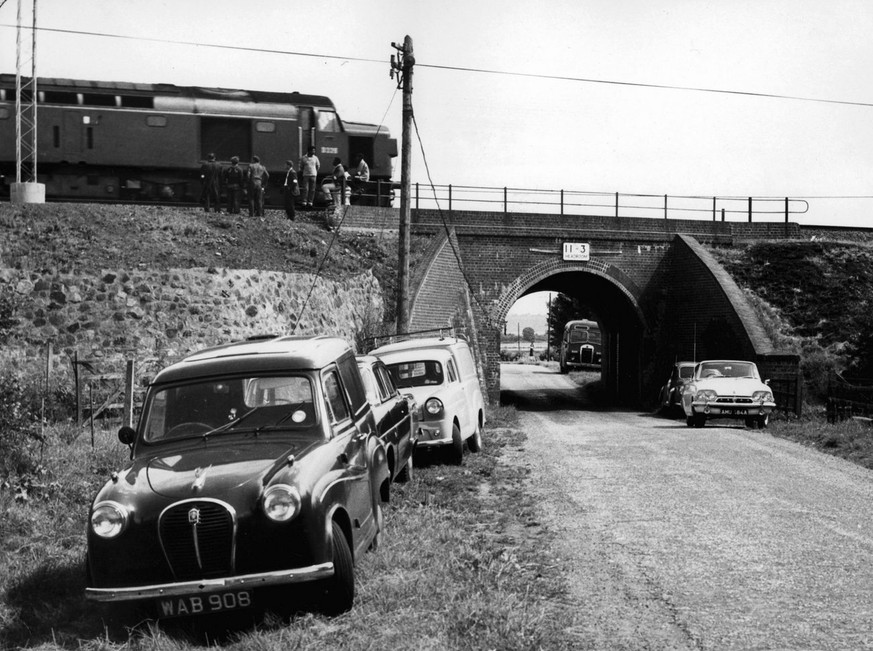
459	398
350	442
470	384
399	415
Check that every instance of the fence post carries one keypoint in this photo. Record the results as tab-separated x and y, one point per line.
722	214
665	206
46	386
450	197
562	203
750	210
128	393
504	201
91	410
616	204
713	209
786	216
77	389
416	196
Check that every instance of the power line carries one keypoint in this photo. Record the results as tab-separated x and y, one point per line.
488	71
698	89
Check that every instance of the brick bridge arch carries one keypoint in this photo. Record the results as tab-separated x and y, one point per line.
659	295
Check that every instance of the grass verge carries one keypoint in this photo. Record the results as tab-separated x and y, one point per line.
464	564
851	439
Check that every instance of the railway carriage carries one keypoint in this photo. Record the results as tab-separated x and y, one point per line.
122	141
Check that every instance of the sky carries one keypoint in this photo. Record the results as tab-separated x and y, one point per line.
586	95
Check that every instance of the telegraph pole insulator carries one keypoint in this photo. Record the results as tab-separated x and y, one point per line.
401	66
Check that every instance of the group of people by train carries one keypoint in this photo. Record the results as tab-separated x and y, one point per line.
297	185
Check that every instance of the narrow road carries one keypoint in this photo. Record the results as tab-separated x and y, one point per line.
681	538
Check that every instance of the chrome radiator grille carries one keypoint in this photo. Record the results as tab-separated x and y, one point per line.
198	539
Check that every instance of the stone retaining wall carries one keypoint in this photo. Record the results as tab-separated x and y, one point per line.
116	313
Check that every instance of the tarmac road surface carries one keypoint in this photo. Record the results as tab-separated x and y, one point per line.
684	538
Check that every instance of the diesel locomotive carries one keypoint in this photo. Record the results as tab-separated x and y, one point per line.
100	140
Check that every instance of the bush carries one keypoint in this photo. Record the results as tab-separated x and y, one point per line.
20	437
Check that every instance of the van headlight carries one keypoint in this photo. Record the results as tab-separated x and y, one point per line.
281	502
109	519
433	406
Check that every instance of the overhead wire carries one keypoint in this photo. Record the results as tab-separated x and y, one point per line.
467	69
455	251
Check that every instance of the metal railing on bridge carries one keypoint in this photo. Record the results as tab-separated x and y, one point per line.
616	204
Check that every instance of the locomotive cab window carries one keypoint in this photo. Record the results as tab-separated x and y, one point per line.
328	122
98	99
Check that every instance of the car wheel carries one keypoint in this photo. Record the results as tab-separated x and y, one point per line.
339	592
689	420
751	422
699	420
475	441
457	445
564	369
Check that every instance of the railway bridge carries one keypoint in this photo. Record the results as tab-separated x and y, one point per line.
658	294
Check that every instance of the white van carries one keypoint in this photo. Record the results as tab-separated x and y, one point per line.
441	374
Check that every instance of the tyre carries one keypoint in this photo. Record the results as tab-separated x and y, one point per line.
751	422
475	441
699	420
689	420
457	445
339	590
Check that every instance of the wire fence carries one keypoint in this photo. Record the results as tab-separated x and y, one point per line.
616	204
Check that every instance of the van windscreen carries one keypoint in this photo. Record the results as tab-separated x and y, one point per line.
416	374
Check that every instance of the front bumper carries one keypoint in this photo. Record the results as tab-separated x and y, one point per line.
731	409
434	433
207	586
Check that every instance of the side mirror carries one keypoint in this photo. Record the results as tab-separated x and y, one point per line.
127	435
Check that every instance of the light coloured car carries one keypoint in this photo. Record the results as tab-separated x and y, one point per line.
727	389
441	375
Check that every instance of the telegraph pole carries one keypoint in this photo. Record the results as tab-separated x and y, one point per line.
401	66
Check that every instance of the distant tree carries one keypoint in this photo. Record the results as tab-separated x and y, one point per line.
529	335
565	308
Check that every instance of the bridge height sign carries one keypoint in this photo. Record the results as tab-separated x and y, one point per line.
577	251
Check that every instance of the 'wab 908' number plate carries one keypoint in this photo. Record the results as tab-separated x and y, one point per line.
203	604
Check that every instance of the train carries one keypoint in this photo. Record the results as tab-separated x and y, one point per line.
581	344
122	141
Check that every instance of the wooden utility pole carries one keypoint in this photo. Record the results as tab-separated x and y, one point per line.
401	65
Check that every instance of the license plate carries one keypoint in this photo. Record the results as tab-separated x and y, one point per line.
204	604
739	411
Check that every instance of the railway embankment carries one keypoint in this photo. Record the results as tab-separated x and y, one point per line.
109	282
